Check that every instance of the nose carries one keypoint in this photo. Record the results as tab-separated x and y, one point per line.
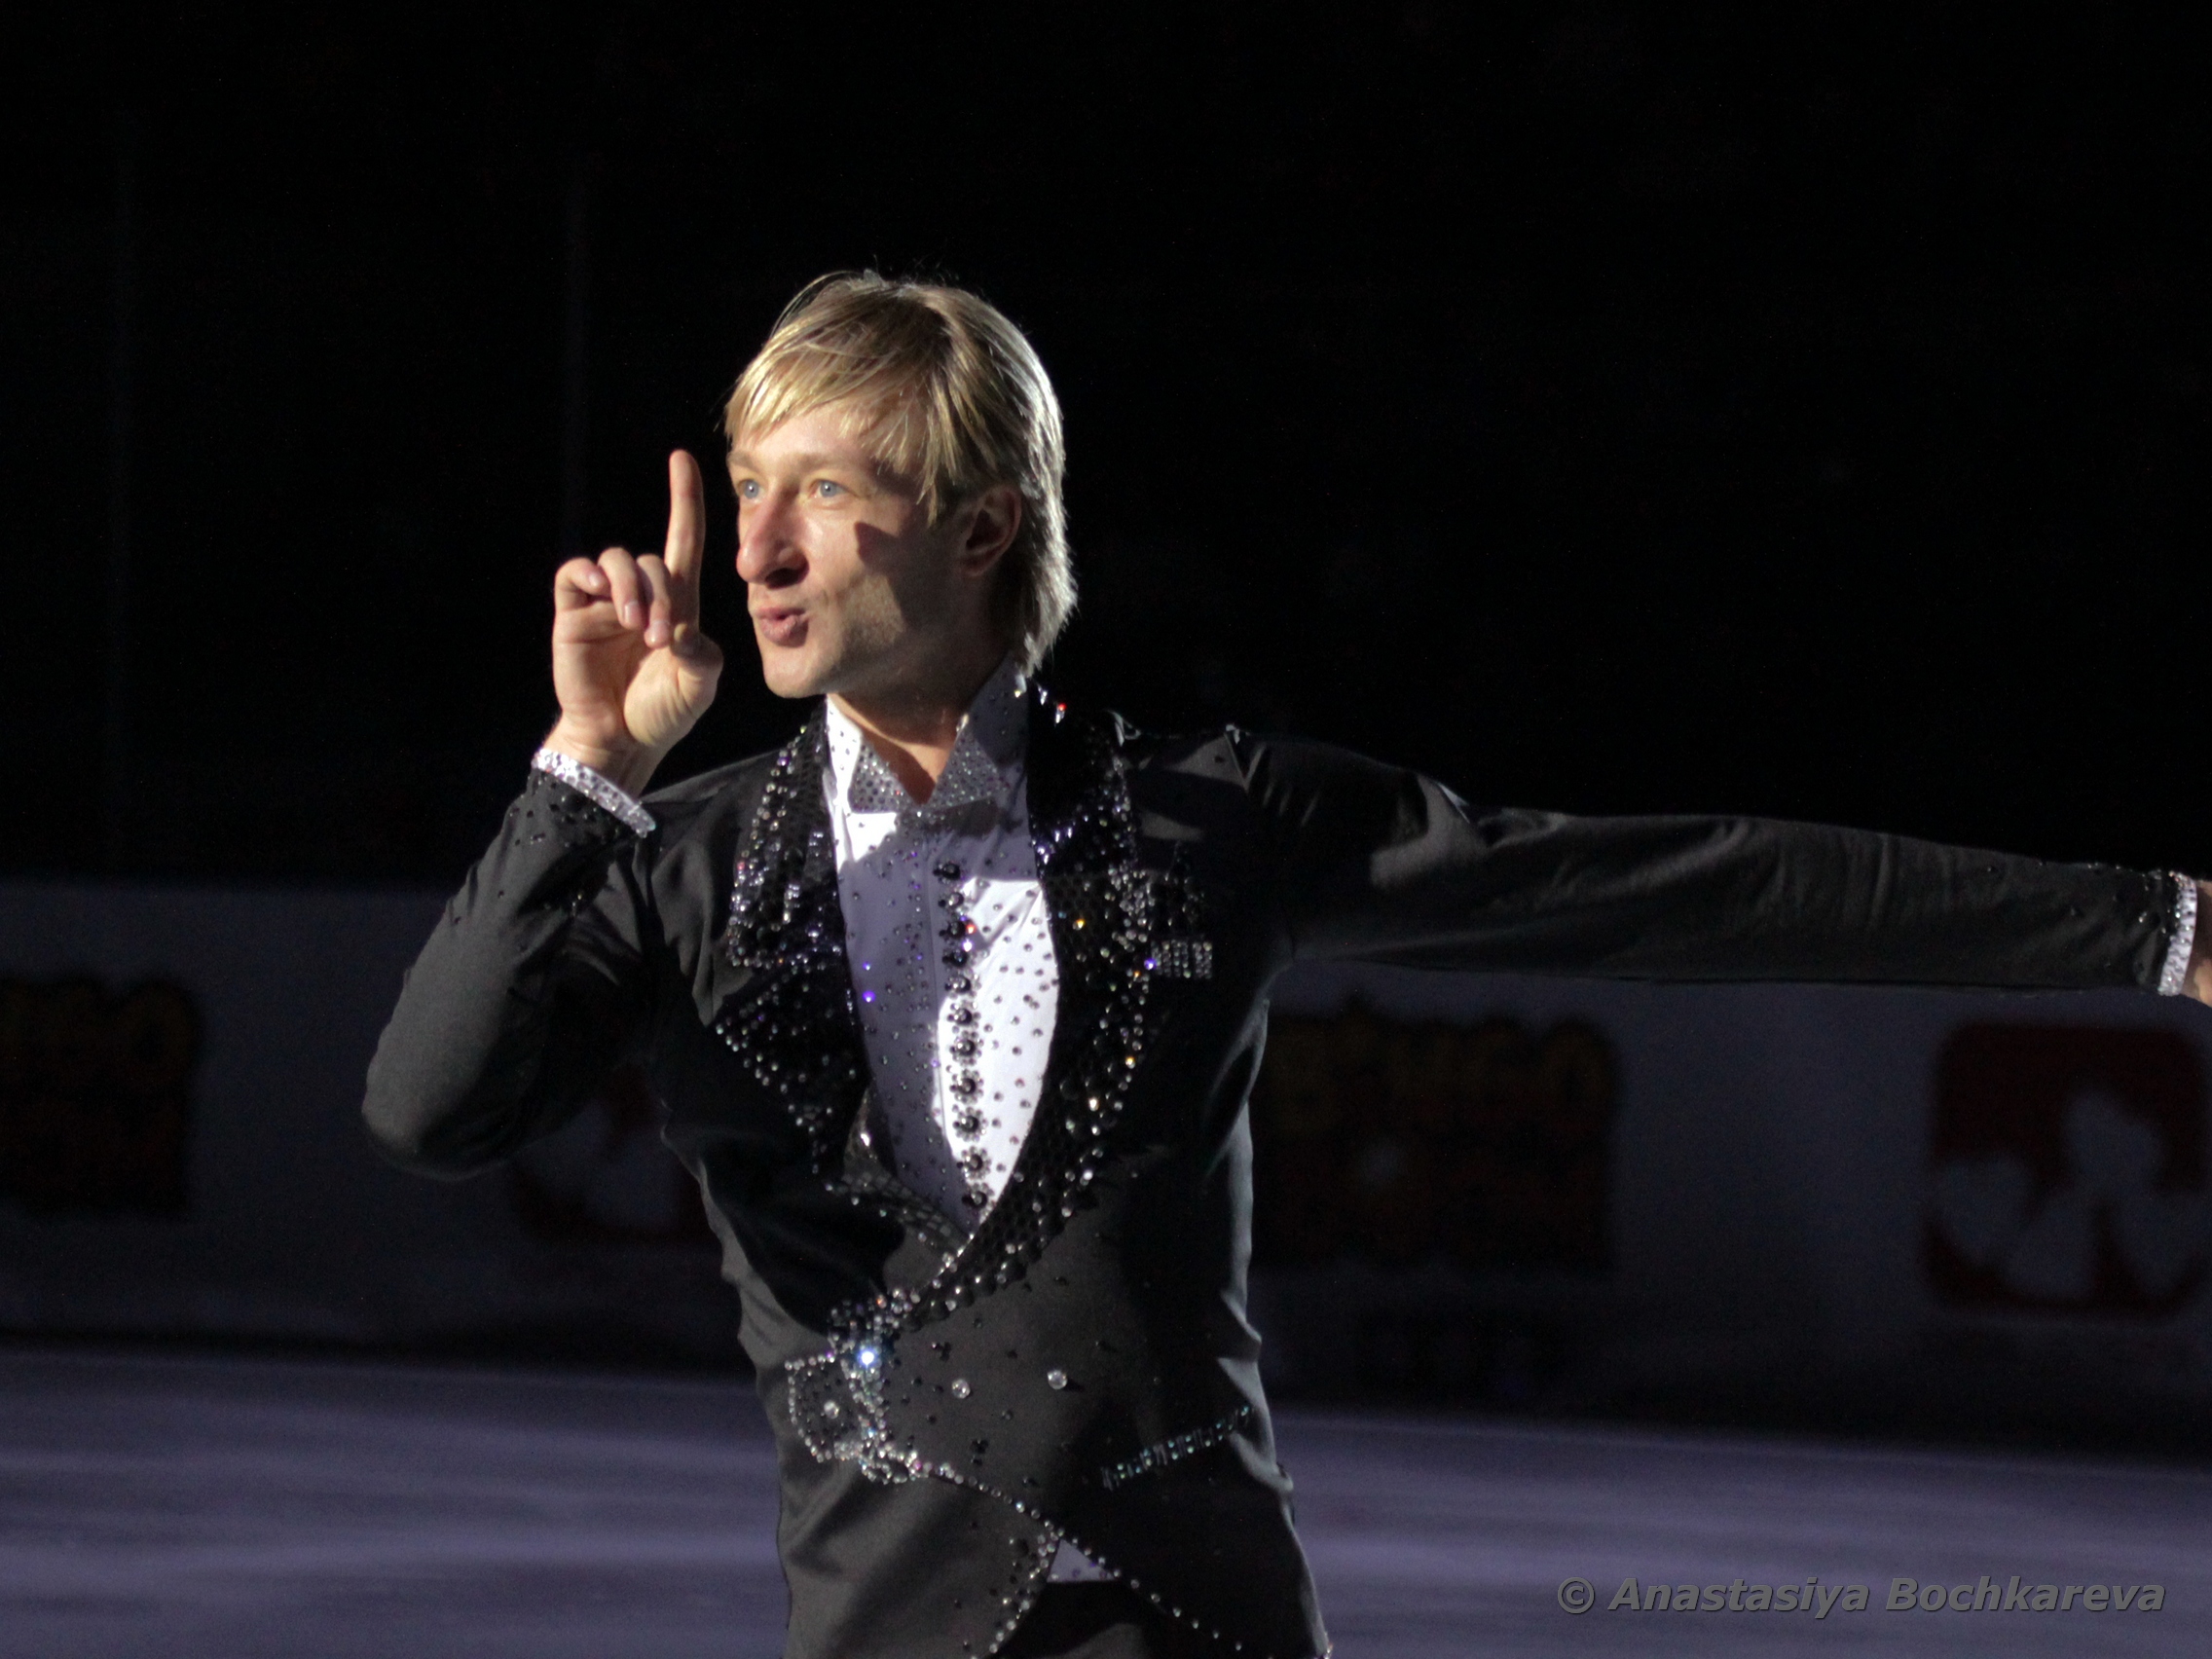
768	544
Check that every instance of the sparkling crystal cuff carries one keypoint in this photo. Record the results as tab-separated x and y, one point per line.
2173	977
604	794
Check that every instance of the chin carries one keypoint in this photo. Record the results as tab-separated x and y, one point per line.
787	680
789	672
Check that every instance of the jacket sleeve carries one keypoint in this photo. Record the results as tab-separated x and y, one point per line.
1380	864
532	987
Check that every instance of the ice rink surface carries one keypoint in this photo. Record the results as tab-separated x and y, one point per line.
221	1508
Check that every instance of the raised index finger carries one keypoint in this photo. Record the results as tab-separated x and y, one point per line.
687	535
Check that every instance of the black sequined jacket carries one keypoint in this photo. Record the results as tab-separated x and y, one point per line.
947	1407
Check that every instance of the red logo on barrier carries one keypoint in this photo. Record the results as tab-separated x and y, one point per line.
2068	1170
1485	1144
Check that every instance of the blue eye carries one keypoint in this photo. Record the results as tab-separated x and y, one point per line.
825	489
749	490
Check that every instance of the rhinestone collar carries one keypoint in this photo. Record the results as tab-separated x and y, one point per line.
983	766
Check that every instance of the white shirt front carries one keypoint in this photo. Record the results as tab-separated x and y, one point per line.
951	951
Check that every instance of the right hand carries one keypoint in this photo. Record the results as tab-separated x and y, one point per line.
631	668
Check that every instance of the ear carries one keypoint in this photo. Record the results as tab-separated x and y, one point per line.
986	528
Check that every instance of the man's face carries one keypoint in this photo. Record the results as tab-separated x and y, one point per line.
850	589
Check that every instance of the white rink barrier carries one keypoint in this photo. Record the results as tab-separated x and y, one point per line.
1507	1188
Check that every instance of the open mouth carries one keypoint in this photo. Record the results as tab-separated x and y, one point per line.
781	625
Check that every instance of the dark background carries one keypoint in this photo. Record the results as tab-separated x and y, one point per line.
1798	409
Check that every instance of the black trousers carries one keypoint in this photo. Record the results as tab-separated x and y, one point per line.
1103	1621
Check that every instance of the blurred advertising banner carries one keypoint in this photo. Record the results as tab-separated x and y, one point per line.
1506	1190
1486	1145
1468	1189
181	1150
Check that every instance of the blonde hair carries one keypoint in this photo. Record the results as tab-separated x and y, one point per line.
951	397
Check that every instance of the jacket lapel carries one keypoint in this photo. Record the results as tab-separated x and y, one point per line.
788	1012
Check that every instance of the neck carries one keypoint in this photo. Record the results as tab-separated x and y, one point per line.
914	726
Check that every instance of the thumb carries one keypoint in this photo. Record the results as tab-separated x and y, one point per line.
691	642
698	660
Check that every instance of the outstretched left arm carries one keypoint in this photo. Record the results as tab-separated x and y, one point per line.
1380	864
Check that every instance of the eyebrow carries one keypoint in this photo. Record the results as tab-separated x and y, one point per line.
801	462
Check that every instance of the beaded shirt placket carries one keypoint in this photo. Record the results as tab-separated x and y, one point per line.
964	1121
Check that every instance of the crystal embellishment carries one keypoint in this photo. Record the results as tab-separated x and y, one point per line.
1184	958
595	787
836	1405
2173	976
1173	1450
964	1125
796	1028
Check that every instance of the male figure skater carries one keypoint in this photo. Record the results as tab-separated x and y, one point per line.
954	1000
